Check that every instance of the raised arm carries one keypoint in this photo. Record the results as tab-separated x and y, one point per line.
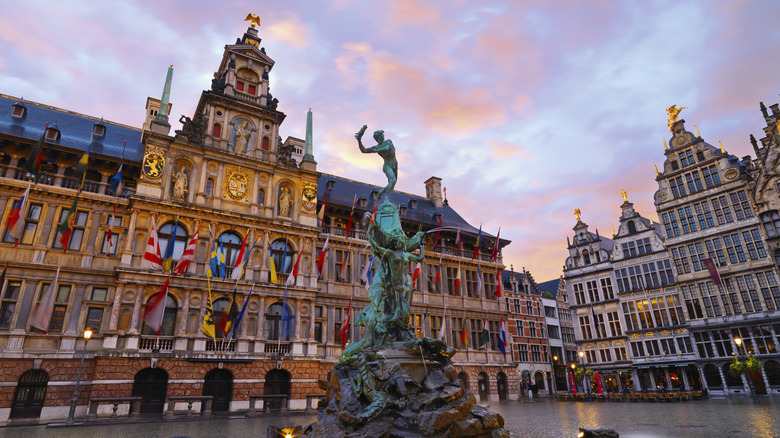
359	137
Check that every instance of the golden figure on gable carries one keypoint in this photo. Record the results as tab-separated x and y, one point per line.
673	113
154	163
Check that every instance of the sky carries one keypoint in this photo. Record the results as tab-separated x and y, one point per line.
525	109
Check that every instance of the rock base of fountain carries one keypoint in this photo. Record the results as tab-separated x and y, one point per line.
402	392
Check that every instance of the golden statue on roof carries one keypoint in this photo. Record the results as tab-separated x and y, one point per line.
673	113
254	19
624	195
577	213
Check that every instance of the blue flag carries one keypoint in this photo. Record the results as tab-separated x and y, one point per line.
284	333
222	270
241	314
115	181
213	267
168	257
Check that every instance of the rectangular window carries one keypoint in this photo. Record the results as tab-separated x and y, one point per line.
593	291
711	178
686	158
579	294
614	324
523	350
678	189
451	274
671	224
536	355
703	215
30	225
742	208
585	327
10	296
94	318
471	283
686	220
78	227
343	265
606	287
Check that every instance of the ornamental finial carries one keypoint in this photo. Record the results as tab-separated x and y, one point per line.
577	213
624	195
254	19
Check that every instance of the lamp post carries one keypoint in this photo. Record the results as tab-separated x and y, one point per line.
753	394
584	372
74	399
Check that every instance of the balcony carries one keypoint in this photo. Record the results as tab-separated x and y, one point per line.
277	348
156	343
55	180
220	345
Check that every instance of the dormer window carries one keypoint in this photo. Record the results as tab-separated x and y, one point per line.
53	132
363	202
331	184
99	129
413	203
403	210
19	110
586	256
374	194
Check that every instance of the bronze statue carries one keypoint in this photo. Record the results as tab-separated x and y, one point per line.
386	150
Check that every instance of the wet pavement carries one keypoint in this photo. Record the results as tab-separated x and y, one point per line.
544	418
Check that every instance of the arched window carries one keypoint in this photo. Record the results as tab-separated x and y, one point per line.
169	318
631	227
278	326
216	132
180	242
266	143
282	252
231	243
501	386
586	256
209	186
772	370
221	308
712	376
732	380
261	197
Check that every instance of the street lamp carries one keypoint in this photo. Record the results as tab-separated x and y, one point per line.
753	394
74	399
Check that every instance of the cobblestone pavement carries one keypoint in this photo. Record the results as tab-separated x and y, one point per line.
545	418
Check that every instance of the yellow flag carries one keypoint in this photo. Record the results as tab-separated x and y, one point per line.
208	318
272	268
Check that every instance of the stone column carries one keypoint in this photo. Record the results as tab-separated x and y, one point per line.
312	309
185	311
685	382
297	319
260	318
127	254
136	311
114	319
722	379
313	274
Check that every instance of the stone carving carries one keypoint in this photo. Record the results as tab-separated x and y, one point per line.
191	130
181	184
284	155
219	83
242	131
386	150
285	202
271	101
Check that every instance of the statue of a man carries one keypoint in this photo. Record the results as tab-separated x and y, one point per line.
180	185
285	202
242	136
386	150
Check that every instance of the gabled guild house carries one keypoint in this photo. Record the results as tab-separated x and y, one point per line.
114	228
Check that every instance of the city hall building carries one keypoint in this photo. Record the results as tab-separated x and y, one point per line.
226	177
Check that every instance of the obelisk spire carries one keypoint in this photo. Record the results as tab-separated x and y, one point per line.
162	114
309	152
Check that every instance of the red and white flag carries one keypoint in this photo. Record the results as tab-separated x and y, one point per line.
495	247
110	232
498	293
189	254
155	308
345	326
457	282
152	257
351	215
344	265
458	242
238	268
416	274
321	258
41	316
321	214
15	220
294	274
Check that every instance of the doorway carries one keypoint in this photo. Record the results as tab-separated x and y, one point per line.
218	383
30	394
152	385
277	382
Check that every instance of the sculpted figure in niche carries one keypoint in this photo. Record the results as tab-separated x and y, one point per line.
285	202
181	183
242	136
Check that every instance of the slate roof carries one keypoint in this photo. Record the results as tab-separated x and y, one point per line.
506	278
550	286
344	190
75	130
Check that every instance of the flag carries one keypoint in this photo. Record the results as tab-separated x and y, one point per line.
238	267
713	270
81	166
272	267
221	259
213	267
438	277
189	254
442	335
351	214
115	181
497	293
167	260
321	258
502	337
365	274
345	326
66	227
294	274
228	319
480	283
457	282
459	242
373	213
241	314
14	223
208	317
152	258
41	316
464	337
495	247
573	384
343	270
476	246
33	163
321	214
595	320
438	232
110	232
485	338
416	273
155	308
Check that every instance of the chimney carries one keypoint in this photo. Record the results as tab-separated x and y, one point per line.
433	191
